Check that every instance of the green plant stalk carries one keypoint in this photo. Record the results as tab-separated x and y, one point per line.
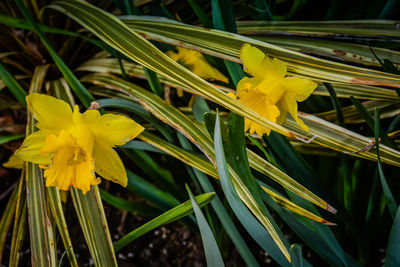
7	218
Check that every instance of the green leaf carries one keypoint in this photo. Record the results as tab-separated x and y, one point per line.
122	204
264	13
172	215
13	85
299	169
154	82
223	18
255	229
371	124
296	255
200	107
393	249
335	103
7	218
8	138
392	204
204	19
389	9
213	256
20	222
222	214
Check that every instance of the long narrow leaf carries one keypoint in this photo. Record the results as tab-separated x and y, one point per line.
172	215
213	256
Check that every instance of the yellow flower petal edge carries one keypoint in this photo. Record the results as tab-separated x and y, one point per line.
14	162
269	92
71	146
197	63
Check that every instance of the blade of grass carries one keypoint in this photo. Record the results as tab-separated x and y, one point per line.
391	202
154	82
20	221
255	229
204	19
7	218
221	212
213	256
295	253
13	85
172	215
393	249
370	122
8	138
122	204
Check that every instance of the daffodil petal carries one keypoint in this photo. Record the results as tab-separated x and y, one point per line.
289	104
14	162
302	88
252	58
274	68
51	113
112	130
80	130
173	55
204	70
109	165
31	147
197	63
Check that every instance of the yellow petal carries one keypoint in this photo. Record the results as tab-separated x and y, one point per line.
51	113
112	130
302	88
231	94
173	55
14	162
204	70
30	148
198	64
109	165
274	67
252	58
259	65
80	130
289	104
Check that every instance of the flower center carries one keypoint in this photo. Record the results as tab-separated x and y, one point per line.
78	156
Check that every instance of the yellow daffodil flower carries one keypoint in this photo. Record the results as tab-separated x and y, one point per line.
71	146
269	92
197	63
